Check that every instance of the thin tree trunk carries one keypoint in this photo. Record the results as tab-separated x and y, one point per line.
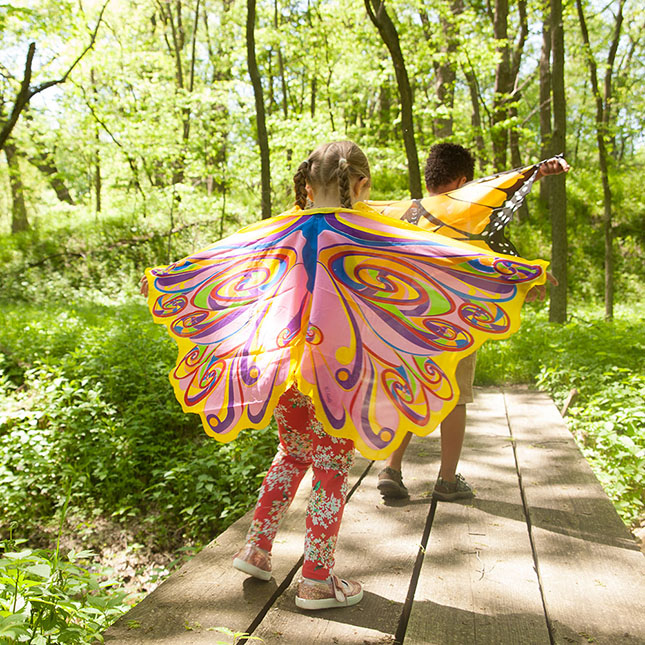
97	154
516	161
382	21
384	113
475	118
19	221
603	117
557	188
97	171
263	140
503	85
545	95
445	69
45	163
516	61
175	48
283	80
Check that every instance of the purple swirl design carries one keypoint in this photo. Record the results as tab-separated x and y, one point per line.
489	318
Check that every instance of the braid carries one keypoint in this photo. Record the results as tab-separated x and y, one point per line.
300	184
343	183
332	166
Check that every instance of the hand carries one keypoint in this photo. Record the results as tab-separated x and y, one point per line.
143	286
553	166
539	292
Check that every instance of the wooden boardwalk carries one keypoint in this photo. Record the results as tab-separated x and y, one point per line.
538	557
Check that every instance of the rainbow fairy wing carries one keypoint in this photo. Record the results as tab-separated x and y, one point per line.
476	213
236	311
407	306
367	315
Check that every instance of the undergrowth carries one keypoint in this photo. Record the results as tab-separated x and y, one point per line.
604	361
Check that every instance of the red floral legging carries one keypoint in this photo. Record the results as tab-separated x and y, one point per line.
304	443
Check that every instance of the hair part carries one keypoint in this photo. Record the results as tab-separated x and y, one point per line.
331	164
446	163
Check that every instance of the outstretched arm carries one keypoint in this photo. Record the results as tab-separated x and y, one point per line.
553	166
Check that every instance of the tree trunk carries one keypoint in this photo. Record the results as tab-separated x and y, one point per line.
97	172
557	188
603	117
97	153
384	113
516	161
545	96
514	97
382	21
283	80
263	140
44	161
475	119
446	72
503	85
19	221
175	48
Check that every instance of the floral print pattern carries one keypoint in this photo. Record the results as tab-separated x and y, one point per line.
304	443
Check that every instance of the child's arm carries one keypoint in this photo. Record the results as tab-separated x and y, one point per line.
539	292
143	286
553	166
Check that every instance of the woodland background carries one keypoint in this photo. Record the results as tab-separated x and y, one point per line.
135	131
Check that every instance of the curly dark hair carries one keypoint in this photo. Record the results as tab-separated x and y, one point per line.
447	162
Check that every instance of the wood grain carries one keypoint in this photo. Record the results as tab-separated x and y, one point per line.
477	584
592	573
207	592
378	546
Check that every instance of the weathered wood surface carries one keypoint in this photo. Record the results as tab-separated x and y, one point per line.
477	584
207	592
592	572
476	580
378	545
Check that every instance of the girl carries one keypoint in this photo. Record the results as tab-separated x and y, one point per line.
335	175
343	323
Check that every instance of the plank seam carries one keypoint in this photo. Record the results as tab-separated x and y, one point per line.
529	525
284	585
399	637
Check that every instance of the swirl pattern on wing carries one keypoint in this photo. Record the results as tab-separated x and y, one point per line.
367	315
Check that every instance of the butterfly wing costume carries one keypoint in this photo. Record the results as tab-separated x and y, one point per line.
367	315
477	213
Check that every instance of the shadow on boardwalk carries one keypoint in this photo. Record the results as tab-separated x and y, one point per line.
539	556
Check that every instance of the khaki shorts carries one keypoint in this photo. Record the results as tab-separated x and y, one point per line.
465	376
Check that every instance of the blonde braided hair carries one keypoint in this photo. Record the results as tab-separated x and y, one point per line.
331	163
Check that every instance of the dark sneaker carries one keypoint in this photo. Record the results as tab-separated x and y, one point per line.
450	491
390	484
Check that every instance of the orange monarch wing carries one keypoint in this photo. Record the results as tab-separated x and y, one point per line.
477	213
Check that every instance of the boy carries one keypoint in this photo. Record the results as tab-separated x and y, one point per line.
448	167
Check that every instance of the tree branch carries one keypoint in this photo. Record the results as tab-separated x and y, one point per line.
25	93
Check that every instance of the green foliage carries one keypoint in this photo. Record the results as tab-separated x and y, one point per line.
45	598
85	399
605	362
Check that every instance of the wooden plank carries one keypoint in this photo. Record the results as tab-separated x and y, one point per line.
378	545
207	592
592	573
477	583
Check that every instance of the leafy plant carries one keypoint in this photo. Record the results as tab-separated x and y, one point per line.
46	599
605	362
